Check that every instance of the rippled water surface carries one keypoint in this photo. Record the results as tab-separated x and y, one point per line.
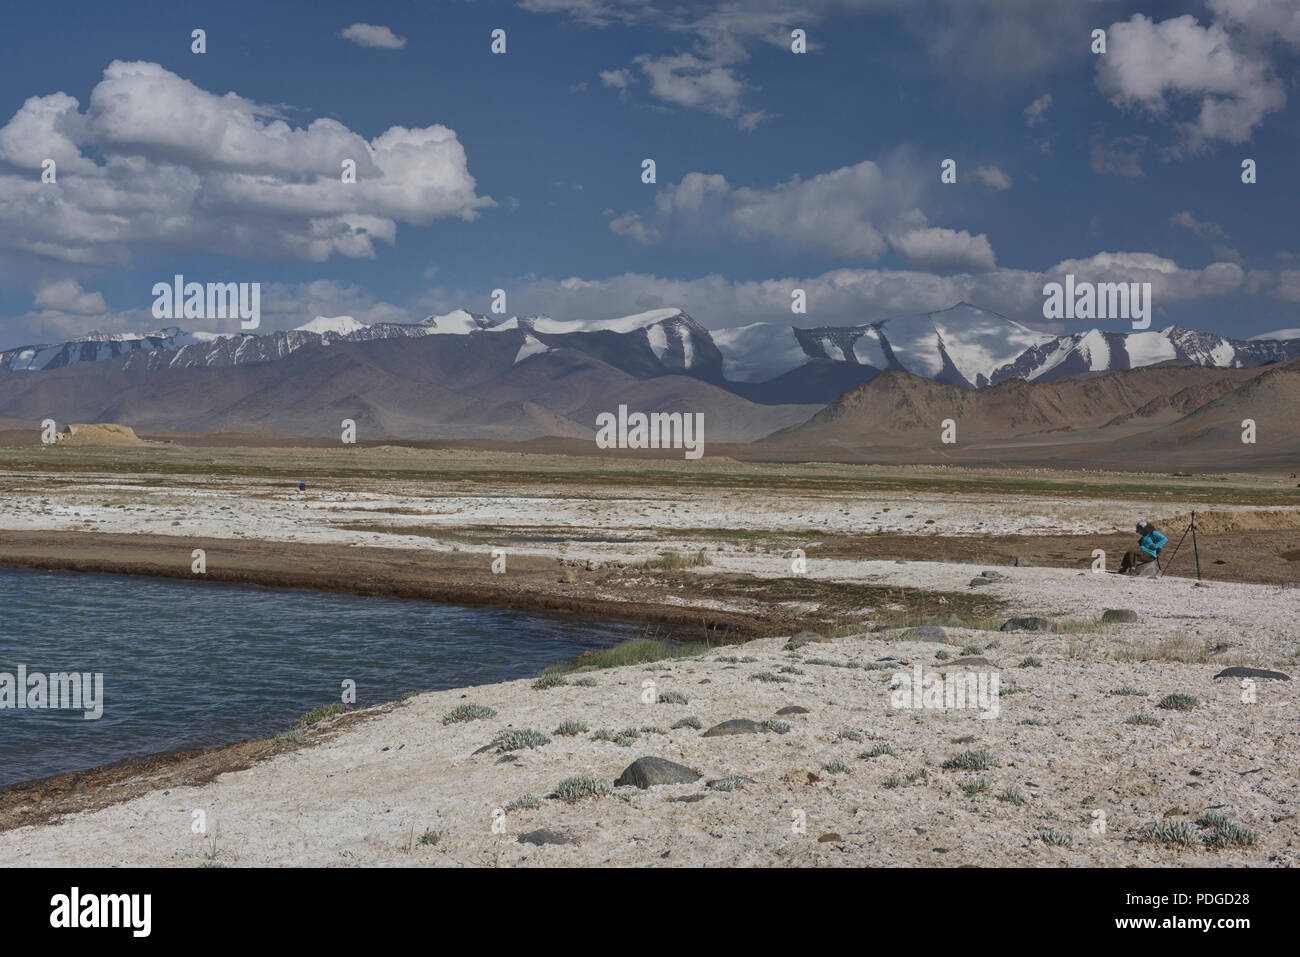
193	664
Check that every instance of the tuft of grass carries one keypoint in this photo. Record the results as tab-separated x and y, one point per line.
766	676
586	682
776	726
884	747
1054	838
690	721
672	697
625	737
1127	690
1032	662
836	767
525	802
653	729
1167	832
1178	702
468	712
603	734
431	838
549	681
319	714
1032	722
1230	834
891	782
978	760
1212	819
848	734
972	650
581	786
1013	795
791	670
1147	719
567	729
517	739
976	786
671	561
728	784
293	736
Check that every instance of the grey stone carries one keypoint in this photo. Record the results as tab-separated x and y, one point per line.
969	661
980	580
545	835
924	633
1119	614
734	726
650	772
1023	562
1289	585
794	709
1026	624
1239	672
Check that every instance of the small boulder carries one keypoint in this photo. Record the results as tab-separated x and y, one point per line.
734	726
829	838
1026	624
545	835
979	580
924	633
1149	570
977	660
650	772
794	709
1118	614
1238	672
1023	562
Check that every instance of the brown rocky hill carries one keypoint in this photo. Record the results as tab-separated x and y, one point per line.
414	388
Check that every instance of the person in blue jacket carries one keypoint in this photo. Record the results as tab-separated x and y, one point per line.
1150	542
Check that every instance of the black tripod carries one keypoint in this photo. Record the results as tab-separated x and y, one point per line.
1195	551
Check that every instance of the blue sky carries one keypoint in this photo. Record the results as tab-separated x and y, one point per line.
522	171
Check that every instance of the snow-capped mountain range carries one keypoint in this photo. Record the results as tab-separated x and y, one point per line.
963	346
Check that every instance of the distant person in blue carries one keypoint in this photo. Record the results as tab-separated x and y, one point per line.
302	486
1150	542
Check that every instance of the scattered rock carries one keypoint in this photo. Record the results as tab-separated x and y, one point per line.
688	798
734	726
803	638
1026	624
545	835
1287	585
980	580
801	777
650	772
1238	672
794	709
924	633
830	838
974	660
1118	614
1023	562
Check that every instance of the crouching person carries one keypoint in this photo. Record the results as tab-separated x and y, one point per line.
1150	542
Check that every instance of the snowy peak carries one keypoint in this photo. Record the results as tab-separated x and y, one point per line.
962	345
335	326
457	322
